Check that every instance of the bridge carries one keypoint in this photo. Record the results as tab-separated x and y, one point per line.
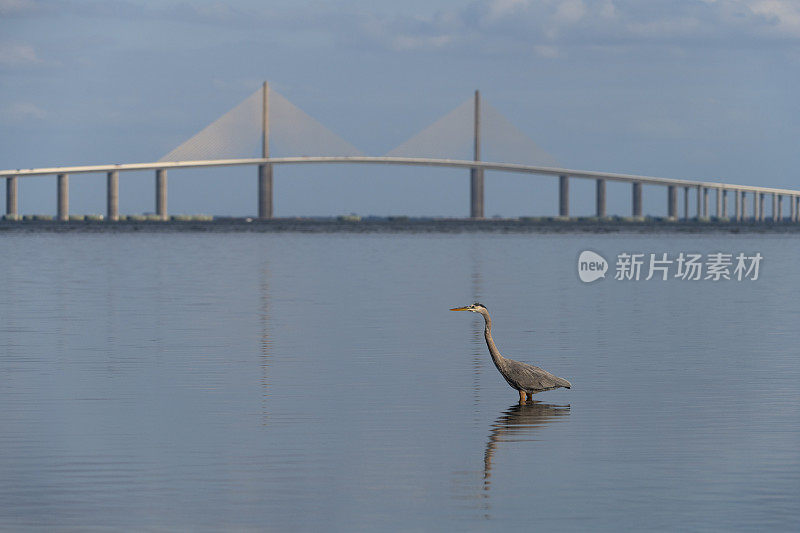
223	135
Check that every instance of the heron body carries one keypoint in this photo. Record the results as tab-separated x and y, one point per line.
526	379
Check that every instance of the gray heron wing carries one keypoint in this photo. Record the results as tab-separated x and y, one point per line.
529	377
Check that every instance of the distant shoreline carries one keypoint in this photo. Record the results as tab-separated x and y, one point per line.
354	224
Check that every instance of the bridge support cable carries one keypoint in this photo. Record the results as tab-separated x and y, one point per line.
474	130
262	125
242	133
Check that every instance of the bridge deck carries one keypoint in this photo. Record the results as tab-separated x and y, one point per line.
452	163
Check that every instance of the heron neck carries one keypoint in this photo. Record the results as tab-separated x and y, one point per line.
487	333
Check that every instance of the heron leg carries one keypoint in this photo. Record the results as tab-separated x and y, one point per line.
522	396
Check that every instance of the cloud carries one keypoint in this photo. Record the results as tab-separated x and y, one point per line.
23	111
503	8
546	28
780	16
404	33
549	27
570	11
16	54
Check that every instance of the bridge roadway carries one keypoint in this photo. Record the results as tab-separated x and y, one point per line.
562	173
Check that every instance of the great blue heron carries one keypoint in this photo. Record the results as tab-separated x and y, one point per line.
525	378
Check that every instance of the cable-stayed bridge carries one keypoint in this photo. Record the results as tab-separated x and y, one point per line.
266	130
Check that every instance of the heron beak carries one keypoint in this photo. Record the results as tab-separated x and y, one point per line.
460	309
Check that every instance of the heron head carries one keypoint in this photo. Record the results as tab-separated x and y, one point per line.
475	308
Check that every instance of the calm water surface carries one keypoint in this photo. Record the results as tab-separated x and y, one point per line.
318	382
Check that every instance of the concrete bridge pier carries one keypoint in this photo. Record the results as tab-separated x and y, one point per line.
476	193
756	213
161	193
743	214
777	198
265	191
795	204
112	195
686	203
719	203
563	196
705	202
724	203
699	202
737	205
761	207
11	196
601	198
672	202
637	199
755	206
63	197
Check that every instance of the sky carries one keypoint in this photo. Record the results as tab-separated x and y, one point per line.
702	89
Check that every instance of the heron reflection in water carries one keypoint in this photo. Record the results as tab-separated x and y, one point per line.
524	378
518	424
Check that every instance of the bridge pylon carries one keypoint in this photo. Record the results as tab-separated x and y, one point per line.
476	174
265	169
